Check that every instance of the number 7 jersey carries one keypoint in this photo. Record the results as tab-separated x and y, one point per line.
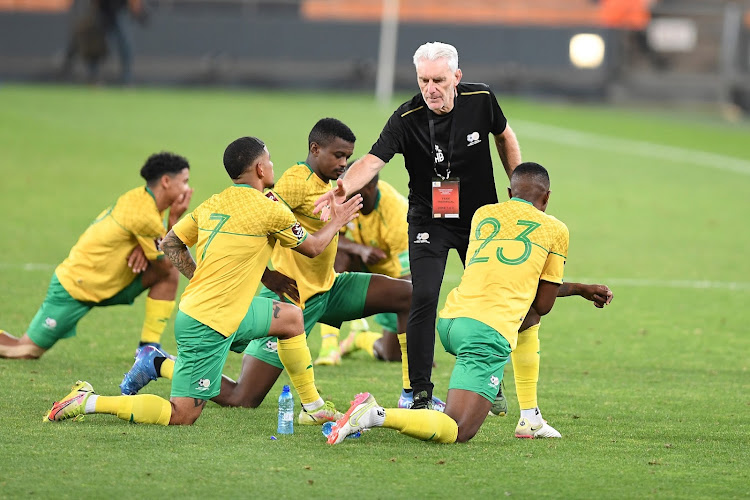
234	233
512	246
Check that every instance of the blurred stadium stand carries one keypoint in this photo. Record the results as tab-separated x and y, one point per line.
666	50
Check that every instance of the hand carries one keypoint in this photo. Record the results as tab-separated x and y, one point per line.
341	213
137	261
335	195
371	255
281	284
180	205
600	295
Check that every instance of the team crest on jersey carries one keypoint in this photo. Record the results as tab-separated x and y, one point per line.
494	381
298	230
203	384
50	323
473	138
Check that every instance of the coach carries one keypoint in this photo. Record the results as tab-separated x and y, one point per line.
444	134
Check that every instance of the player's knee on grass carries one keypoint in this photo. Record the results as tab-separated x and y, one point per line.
185	411
469	410
19	348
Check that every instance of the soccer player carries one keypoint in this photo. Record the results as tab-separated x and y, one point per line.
114	261
376	242
515	260
325	296
234	233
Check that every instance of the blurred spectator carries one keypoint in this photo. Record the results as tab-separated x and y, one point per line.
103	19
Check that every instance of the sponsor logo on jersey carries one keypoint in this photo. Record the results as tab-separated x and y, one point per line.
298	231
271	196
439	156
473	138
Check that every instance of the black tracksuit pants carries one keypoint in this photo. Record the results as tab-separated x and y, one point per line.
429	243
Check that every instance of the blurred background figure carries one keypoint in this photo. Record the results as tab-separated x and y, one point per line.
103	21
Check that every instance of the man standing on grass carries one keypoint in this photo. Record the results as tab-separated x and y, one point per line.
516	259
114	261
234	233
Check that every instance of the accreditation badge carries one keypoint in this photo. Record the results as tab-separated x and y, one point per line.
445	198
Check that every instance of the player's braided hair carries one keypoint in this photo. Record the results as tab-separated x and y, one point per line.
328	129
241	154
164	163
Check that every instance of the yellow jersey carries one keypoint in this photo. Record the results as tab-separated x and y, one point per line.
385	228
234	233
298	188
512	247
96	268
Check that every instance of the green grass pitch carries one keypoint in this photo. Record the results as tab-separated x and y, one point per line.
651	395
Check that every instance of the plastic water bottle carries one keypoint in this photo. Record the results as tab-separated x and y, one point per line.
286	412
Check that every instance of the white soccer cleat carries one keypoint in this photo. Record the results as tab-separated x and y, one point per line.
362	415
524	429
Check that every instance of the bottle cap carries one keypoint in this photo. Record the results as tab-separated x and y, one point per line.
285	388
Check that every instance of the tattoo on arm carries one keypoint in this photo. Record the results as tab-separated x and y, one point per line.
276	309
199	402
179	254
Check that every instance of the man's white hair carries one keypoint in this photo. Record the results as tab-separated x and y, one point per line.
432	51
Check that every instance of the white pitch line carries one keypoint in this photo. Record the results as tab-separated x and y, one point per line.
568	137
29	266
650	283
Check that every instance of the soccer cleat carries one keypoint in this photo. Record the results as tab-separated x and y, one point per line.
406	401
524	429
500	406
348	345
72	405
326	413
361	416
143	370
158	346
328	356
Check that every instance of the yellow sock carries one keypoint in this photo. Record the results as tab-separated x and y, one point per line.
525	360
167	368
427	425
158	313
142	409
295	356
404	362
366	341
329	336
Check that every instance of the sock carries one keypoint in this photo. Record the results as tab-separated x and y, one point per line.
525	360
404	363
329	336
427	425
158	313
366	341
164	367
142	409
295	356
533	415
314	405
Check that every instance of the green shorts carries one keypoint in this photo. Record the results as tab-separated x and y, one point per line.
389	321
202	351
343	302
481	353
60	313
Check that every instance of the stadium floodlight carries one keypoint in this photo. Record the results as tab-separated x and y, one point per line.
587	50
387	52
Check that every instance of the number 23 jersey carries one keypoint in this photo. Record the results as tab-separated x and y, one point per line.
512	246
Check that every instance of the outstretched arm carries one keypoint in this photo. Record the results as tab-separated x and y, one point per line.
342	213
508	149
178	253
600	295
360	173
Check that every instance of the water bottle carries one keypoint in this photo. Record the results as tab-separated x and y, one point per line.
286	412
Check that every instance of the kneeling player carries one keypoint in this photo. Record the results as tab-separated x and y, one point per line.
517	254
